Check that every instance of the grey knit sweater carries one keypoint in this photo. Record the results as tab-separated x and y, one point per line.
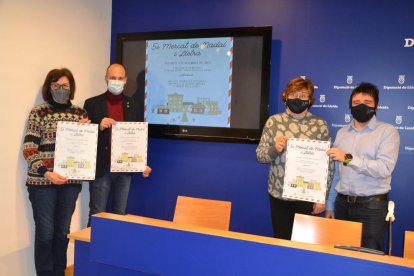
292	126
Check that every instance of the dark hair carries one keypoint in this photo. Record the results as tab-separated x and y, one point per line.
53	76
297	84
366	88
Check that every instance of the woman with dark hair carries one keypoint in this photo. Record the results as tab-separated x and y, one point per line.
53	197
295	122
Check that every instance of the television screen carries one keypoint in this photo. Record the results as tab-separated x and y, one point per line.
210	84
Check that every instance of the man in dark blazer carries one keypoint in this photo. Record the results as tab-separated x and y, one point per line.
106	109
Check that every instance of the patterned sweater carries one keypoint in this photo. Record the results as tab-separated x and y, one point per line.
39	141
292	126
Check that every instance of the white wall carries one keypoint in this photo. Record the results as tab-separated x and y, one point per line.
35	37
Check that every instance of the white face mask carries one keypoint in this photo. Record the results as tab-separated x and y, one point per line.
115	86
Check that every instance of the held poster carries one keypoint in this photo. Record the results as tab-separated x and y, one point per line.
75	152
306	170
188	81
129	147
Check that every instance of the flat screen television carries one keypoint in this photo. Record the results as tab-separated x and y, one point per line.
209	84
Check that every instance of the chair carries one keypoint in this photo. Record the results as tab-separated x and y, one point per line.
203	212
319	230
409	245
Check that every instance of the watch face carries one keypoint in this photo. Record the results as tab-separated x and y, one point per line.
348	156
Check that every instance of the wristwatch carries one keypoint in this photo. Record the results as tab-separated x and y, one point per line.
348	158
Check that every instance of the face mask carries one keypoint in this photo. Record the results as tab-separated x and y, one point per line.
61	95
297	105
362	113
115	86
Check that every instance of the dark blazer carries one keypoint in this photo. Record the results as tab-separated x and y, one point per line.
97	109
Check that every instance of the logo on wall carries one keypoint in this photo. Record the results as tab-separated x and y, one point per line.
347	118
349	81
322	98
409	42
401	84
398	120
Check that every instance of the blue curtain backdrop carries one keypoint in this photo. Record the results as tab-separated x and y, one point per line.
337	44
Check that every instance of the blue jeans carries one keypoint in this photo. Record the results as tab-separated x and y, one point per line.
53	206
116	183
372	215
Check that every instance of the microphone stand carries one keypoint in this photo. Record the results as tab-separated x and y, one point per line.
390	218
390	240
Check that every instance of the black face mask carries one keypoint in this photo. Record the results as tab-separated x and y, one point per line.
362	113
297	105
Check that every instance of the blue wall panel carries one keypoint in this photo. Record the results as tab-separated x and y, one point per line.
330	42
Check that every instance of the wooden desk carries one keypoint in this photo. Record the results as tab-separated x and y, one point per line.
143	246
409	245
81	235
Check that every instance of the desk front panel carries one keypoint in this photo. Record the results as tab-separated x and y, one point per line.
167	251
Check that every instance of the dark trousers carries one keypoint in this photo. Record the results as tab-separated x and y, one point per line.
53	207
372	215
283	214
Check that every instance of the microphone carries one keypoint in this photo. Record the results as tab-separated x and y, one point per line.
390	215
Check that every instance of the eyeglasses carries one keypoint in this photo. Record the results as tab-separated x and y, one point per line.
56	86
301	95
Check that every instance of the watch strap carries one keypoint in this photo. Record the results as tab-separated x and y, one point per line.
348	159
